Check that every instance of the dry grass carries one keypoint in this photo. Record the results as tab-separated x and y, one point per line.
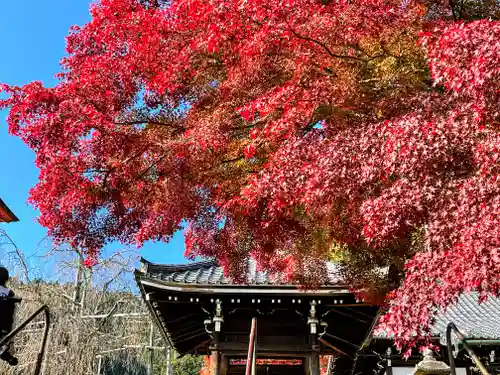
76	340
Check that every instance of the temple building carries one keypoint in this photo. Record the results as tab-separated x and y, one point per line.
6	215
200	311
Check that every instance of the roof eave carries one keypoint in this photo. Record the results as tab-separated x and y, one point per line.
11	217
327	290
152	310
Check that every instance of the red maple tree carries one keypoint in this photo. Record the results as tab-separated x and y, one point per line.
290	131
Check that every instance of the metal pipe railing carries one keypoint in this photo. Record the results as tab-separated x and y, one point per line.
251	357
6	339
463	341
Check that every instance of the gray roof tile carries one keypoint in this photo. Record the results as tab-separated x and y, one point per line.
208	273
475	320
480	321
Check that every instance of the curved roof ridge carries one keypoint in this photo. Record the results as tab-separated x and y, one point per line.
194	265
209	272
179	267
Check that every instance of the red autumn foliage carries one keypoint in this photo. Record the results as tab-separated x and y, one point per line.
281	130
323	361
207	366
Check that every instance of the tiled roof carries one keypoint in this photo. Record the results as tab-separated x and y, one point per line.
474	320
208	273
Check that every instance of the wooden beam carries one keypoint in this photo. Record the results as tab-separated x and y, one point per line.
361	313
244	290
348	305
195	334
350	316
242	347
342	340
334	348
184	317
190	327
119	315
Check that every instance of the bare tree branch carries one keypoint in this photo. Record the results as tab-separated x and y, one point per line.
19	254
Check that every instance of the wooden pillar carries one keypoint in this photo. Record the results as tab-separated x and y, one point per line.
388	367
314	367
215	356
215	347
224	364
313	322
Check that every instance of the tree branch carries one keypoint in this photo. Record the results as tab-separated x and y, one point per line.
20	255
452	6
238	158
242	127
139	122
323	45
143	173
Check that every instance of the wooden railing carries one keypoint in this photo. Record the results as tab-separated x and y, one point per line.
463	341
10	336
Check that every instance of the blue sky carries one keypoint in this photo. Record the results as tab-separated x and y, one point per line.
32	36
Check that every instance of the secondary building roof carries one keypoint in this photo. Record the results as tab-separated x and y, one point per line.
477	321
6	215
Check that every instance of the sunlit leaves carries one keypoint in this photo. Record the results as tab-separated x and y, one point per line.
290	131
